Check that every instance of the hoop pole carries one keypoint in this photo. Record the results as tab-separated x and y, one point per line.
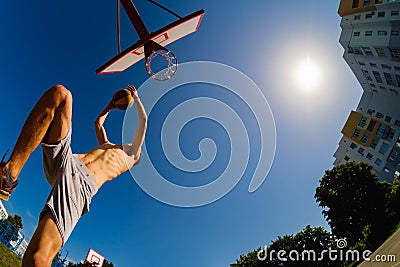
166	9
119	25
134	17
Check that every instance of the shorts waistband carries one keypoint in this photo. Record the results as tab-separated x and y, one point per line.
87	175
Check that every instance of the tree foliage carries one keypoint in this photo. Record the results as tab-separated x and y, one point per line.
10	227
310	239
354	201
86	264
357	207
16	220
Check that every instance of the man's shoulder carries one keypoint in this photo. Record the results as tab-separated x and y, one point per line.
128	149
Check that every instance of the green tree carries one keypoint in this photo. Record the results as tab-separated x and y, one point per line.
107	264
299	251
393	200
354	203
16	220
86	264
10	227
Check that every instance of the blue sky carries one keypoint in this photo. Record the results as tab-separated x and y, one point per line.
65	42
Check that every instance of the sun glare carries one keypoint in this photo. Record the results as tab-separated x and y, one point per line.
308	75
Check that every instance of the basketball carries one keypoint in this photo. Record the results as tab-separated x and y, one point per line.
122	99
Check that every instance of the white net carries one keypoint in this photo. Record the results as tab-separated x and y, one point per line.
164	73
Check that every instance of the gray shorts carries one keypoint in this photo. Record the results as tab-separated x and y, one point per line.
72	186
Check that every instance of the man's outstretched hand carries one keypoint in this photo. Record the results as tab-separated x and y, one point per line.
133	91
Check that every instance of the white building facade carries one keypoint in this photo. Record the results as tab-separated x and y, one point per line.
371	41
3	212
20	243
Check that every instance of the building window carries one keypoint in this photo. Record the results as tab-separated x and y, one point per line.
346	158
397	123
356	50
369	156
378	1
387	169
365	137
355	3
367	50
391	134
395	33
394	13
353	146
378	162
369	15
383	131
388	78
395	52
388	118
382	33
381	14
383	88
361	63
361	151
380	51
357	17
384	148
370	112
367	2
371	126
377	76
393	155
367	75
368	33
374	143
363	121
396	68
356	134
385	66
379	115
356	34
373	65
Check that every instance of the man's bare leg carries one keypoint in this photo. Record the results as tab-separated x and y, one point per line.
45	244
49	121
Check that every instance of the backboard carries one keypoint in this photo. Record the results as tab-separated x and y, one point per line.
168	34
94	258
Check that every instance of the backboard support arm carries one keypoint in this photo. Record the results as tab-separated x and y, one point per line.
135	18
166	9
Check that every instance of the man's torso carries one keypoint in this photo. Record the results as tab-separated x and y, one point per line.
108	161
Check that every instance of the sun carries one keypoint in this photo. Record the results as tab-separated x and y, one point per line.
308	75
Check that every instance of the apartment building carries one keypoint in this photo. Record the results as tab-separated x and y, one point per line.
371	40
3	212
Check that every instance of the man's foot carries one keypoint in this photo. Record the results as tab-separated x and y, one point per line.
7	185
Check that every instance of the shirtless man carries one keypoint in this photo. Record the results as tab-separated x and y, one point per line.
74	178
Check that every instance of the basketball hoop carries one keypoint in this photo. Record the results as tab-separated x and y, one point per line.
168	72
152	51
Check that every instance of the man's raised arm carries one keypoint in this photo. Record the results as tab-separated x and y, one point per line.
98	124
140	132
